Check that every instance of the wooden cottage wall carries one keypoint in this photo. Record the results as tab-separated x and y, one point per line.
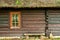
4	22
33	21
5	27
4	19
54	22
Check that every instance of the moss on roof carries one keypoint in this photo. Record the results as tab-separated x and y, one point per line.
29	3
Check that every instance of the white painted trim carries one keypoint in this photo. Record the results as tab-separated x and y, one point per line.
56	36
8	37
34	34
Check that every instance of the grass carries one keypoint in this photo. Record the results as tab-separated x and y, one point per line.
29	39
56	38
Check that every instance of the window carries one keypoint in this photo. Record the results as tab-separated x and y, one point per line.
15	20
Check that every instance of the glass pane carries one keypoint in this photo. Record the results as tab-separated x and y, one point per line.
15	17
15	20
15	24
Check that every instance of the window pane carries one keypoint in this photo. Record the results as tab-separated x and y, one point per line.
15	17
15	24
15	20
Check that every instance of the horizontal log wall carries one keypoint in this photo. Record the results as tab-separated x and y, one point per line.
33	21
54	22
4	19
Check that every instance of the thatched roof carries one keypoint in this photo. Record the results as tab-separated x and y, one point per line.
29	3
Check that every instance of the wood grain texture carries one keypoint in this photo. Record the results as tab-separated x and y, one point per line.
32	21
54	22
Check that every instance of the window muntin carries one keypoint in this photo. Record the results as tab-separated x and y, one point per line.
15	20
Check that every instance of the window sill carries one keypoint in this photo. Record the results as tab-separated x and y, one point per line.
15	28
